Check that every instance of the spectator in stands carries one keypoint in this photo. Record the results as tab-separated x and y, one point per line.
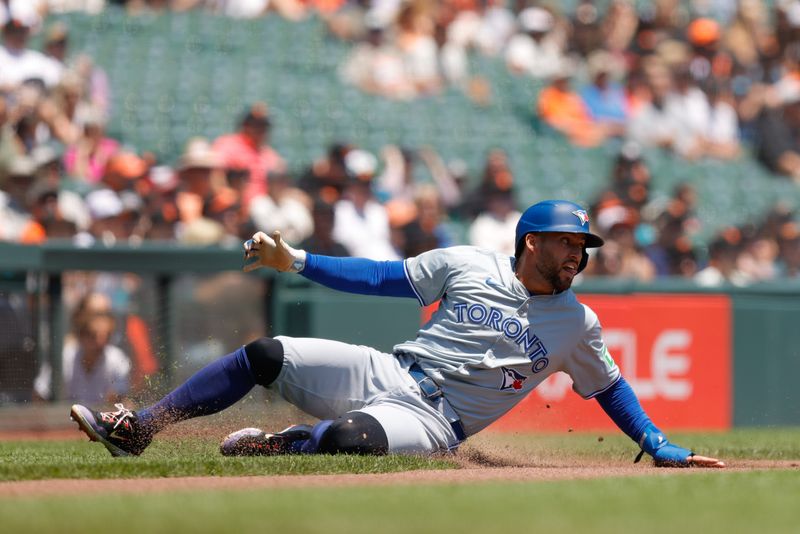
69	212
537	50
327	177
708	61
16	221
46	213
629	260
19	63
199	179
758	260
361	224
562	109
376	66
722	128
93	369
249	149
397	180
494	228
321	241
486	27
497	176
748	37
619	26
630	177
426	230
659	122
587	31
285	208
116	206
723	255
86	159
418	48
604	98
450	178
777	135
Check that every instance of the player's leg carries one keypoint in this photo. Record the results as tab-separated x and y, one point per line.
212	389
368	402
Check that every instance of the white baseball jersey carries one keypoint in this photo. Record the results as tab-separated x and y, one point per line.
491	342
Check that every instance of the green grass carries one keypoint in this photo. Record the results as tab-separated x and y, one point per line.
709	502
668	501
32	460
741	443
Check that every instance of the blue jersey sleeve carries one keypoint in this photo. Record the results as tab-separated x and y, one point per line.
620	403
359	275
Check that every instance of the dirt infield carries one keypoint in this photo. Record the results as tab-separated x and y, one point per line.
471	472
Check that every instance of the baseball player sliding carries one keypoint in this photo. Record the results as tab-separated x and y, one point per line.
503	325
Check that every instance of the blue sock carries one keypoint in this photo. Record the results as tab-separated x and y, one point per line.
213	388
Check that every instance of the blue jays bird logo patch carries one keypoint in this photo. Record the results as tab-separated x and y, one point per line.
512	379
582	215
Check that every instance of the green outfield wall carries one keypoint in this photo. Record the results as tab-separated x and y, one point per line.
764	345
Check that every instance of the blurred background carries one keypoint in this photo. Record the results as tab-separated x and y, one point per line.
142	141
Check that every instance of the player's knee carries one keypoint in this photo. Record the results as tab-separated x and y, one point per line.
355	433
266	359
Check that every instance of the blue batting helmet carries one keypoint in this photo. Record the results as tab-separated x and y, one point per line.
556	216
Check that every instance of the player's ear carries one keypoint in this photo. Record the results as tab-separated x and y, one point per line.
531	240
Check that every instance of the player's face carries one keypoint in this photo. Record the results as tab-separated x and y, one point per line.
557	258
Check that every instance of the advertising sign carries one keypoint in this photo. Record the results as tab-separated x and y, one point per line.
674	350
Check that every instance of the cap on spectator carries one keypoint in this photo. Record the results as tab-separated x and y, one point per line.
360	164
22	166
257	115
126	165
631	151
536	20
104	204
198	155
615	214
602	62
56	33
163	178
703	32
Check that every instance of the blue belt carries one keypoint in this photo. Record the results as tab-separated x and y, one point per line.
432	392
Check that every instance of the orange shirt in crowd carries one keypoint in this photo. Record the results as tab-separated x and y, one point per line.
566	112
237	151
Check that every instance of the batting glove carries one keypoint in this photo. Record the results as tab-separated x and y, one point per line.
664	453
272	251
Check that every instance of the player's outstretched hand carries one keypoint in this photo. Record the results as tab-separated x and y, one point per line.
696	460
670	455
272	251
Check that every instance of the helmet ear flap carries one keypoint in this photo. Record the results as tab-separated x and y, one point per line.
584	260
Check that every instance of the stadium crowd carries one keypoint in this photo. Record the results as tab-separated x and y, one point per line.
668	75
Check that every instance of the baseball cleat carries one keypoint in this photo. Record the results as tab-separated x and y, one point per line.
117	431
256	442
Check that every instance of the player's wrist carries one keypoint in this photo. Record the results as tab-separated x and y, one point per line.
298	260
664	453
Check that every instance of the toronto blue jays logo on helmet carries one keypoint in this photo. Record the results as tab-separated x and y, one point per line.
582	215
512	379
